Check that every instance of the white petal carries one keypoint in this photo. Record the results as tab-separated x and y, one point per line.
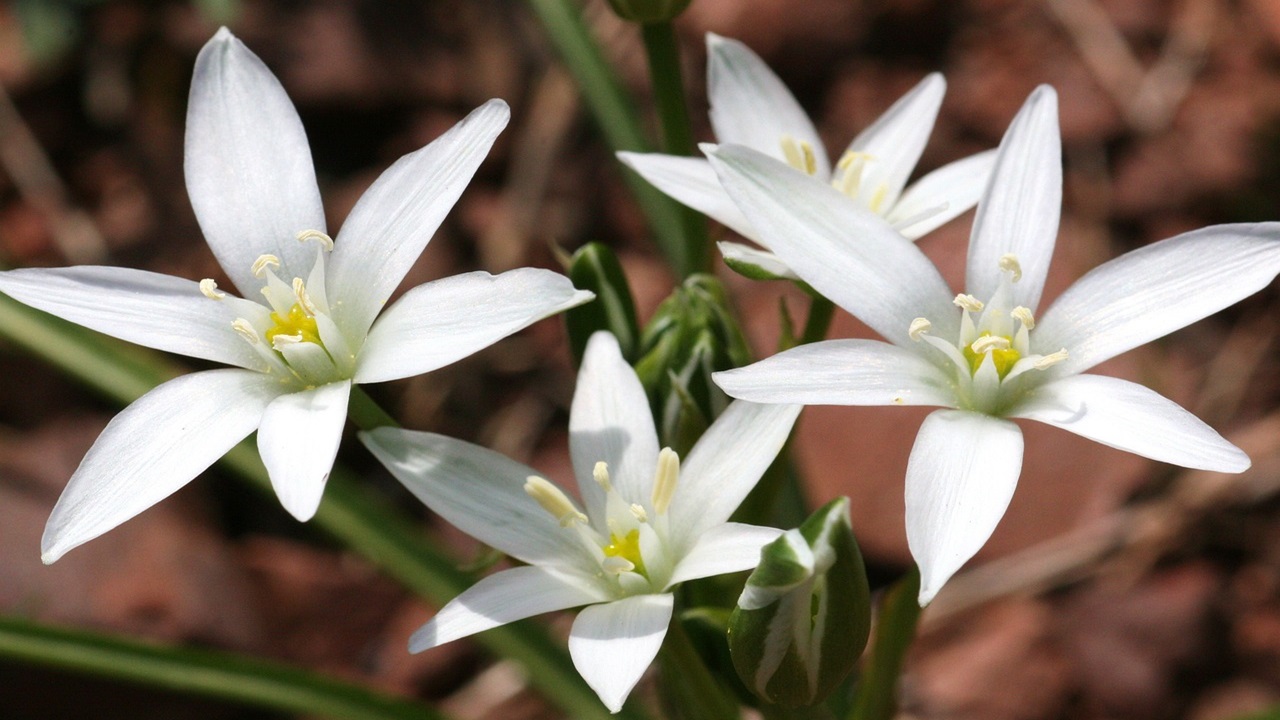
751	106
443	321
723	466
610	422
1154	290
761	262
298	440
841	372
501	598
158	311
396	217
1018	213
478	490
724	549
960	477
153	447
897	138
1130	417
845	252
612	644
942	195
248	166
692	182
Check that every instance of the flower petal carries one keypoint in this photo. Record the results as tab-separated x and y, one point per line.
942	195
960	477
753	262
751	106
501	598
478	490
613	643
1152	291
692	182
1128	416
443	321
298	440
723	466
396	217
841	372
1018	213
610	421
726	548
845	252
896	139
248	165
153	447
150	309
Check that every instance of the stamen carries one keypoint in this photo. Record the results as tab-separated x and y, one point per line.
300	292
1009	263
852	164
799	155
919	327
601	473
615	565
263	262
664	480
245	329
877	199
210	289
325	241
281	341
968	302
1024	314
553	500
989	342
1051	359
639	512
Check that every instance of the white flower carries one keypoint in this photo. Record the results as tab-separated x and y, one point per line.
650	522
991	358
750	106
308	331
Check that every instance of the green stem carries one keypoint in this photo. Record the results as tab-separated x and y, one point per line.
821	311
366	413
876	696
690	687
348	513
616	116
202	672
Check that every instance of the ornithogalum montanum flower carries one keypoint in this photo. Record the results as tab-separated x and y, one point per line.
985	354
305	330
650	521
750	106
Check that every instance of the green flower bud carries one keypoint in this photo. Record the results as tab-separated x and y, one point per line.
803	618
649	11
594	267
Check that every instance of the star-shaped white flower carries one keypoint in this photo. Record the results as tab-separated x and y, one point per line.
305	330
750	106
985	354
650	522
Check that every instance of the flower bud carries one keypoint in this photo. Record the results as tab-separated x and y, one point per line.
594	267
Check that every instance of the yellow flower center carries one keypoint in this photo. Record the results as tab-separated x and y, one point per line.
627	548
1003	355
296	324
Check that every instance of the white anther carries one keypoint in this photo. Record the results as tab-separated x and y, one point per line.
639	512
325	241
1051	359
919	327
280	342
209	289
968	302
1009	263
799	155
553	500
617	565
664	480
1024	314
300	292
245	330
263	262
990	342
601	474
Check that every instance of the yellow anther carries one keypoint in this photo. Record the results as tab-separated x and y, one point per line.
304	300
987	343
1024	315
553	500
259	267
968	302
245	329
878	199
601	474
919	327
209	289
1051	359
664	480
799	155
325	241
1009	263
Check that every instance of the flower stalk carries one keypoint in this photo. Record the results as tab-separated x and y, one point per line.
876	694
